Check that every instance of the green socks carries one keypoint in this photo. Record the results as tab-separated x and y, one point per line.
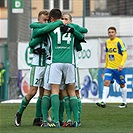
74	107
55	107
61	110
45	107
68	108
38	108
23	105
79	109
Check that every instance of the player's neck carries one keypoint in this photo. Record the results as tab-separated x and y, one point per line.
113	38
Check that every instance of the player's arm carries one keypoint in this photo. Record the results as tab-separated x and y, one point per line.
121	46
69	29
77	45
80	29
123	61
106	58
38	25
50	27
76	33
34	42
124	55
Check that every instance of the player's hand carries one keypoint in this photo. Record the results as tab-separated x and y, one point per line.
39	51
66	29
83	40
120	68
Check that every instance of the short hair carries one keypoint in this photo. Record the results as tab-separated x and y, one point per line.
44	12
55	13
70	16
112	28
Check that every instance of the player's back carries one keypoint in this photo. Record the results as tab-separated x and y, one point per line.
61	46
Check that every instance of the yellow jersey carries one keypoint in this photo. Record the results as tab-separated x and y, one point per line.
115	53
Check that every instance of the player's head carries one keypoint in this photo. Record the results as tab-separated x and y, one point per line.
43	17
112	32
67	18
55	14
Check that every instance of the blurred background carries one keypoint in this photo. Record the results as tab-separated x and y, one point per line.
95	15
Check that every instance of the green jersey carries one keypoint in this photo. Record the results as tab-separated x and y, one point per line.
40	58
61	46
77	44
80	29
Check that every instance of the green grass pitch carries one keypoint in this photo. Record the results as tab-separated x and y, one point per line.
94	120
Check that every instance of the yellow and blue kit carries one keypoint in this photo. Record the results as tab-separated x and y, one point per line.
115	53
116	56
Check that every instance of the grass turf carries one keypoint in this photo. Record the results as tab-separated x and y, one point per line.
94	120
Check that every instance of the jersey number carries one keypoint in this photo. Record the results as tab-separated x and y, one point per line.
66	37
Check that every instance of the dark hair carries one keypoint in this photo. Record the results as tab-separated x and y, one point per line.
55	13
43	12
112	28
70	16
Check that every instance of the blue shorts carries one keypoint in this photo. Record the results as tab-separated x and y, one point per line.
111	74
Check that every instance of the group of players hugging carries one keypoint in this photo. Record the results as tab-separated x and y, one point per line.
55	40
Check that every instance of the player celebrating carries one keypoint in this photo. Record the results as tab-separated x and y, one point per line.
62	65
47	89
116	56
77	47
36	74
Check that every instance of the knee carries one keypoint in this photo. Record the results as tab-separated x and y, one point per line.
122	85
72	93
106	83
32	92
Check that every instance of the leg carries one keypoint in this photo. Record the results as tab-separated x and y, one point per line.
68	122
79	107
24	104
46	104
105	94
38	103
37	120
124	96
55	102
61	108
73	103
